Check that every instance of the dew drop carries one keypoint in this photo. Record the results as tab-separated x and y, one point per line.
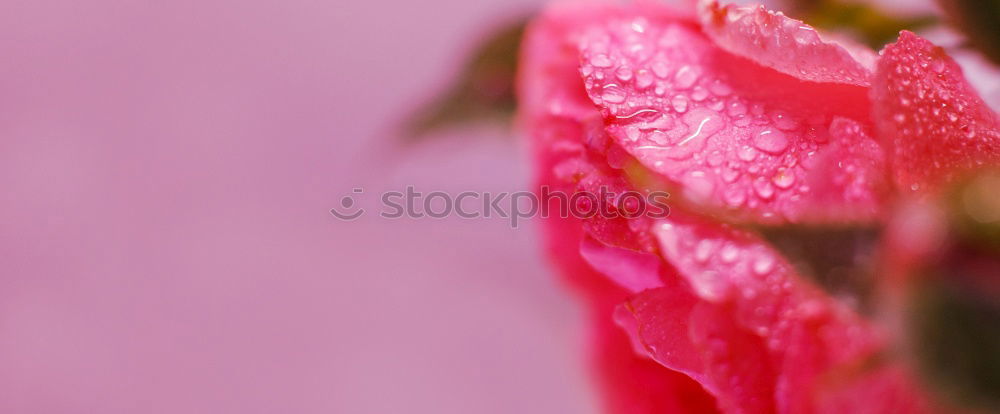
632	133
729	253
660	69
710	285
737	108
643	78
686	77
716	159
784	121
624	74
735	196
699	185
730	175
764	264
771	141
699	94
805	35
613	94
679	103
763	188
657	137
783	179
720	88
704	250
937	66
601	61
639	25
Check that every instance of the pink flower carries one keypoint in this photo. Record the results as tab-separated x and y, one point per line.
751	119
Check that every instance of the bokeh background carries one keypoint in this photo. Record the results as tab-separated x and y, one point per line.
166	171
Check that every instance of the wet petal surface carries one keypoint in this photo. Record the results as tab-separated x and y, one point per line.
731	134
759	337
936	123
785	44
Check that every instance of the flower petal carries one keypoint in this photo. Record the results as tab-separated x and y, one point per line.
701	341
936	123
754	305
635	384
731	134
558	116
632	270
784	44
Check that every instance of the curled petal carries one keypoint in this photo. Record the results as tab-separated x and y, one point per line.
731	134
632	270
635	384
756	335
701	341
936	123
785	44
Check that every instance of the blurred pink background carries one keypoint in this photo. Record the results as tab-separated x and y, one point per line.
166	170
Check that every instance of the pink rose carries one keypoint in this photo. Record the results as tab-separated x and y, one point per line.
752	120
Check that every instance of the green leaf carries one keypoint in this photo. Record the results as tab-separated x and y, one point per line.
484	90
955	333
870	25
952	305
839	259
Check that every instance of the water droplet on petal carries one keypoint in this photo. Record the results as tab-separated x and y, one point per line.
735	196
729	253
601	61
737	108
686	77
660	68
746	153
613	94
783	179
805	35
699	185
704	250
763	188
937	65
679	103
784	121
730	175
764	264
699	94
720	89
624	74
710	285
771	141
639	25
632	133
643	78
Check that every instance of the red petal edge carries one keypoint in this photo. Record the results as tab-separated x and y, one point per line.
937	125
